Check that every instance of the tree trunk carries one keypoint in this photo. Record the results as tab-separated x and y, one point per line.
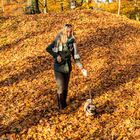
72	4
45	6
136	10
37	7
29	8
29	2
2	5
82	2
61	5
32	7
119	6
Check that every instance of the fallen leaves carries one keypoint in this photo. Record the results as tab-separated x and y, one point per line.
109	50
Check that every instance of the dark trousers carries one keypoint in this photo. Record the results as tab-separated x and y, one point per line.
62	81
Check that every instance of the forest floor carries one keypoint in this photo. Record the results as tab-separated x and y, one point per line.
109	46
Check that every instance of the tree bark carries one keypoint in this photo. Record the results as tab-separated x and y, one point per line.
119	6
45	6
37	7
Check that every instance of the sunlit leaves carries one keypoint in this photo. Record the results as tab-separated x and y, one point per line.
109	50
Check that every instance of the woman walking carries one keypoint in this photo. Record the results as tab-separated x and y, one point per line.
62	48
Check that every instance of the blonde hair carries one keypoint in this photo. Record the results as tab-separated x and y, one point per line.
61	37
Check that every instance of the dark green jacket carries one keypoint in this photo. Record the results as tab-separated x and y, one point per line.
68	50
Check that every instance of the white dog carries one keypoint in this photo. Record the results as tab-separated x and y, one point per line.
89	108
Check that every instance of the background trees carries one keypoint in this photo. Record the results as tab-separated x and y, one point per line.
129	8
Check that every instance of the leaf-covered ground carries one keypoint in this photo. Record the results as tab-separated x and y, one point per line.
109	46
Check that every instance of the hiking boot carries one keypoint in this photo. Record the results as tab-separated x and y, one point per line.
61	101
65	92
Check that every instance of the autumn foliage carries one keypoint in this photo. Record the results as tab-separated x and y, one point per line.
128	8
109	46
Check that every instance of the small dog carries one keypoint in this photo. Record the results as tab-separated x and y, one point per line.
89	108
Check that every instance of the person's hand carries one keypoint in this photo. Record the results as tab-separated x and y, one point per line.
59	59
84	72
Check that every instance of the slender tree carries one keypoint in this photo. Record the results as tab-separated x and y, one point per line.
119	6
61	5
136	10
2	2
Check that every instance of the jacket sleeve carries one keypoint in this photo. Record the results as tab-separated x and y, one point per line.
50	49
76	56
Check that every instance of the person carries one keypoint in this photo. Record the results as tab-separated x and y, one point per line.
62	48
